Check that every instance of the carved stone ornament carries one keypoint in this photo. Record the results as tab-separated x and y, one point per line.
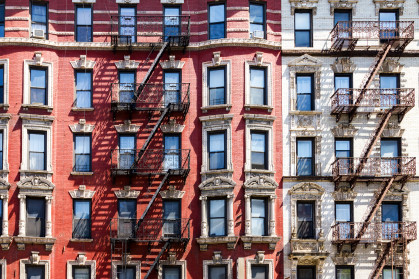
342	195
172	1
172	127
4	185
343	65
217	183
344	130
217	258
35	183
216	60
127	193
127	1
171	257
37	58
172	63
260	257
389	4
84	1
306	188
81	258
83	63
261	182
127	64
258	58
391	65
34	258
342	4
82	127
82	193
172	193
305	63
393	131
127	127
303	4
344	258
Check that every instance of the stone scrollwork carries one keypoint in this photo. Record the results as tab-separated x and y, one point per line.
389	4
344	195
83	63
127	193
127	64
82	127
172	63
303	4
344	130
343	65
127	127
342	4
172	127
172	193
82	193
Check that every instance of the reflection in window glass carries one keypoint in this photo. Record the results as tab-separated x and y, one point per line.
216	21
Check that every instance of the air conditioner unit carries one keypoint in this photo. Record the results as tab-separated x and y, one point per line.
38	33
258	34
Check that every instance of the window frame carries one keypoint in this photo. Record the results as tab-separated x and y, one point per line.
351	267
90	218
209	69
2	85
265	154
263	4
75	135
76	71
266	266
135	18
310	12
3	20
265	89
225	216
43	224
45	134
217	265
313	158
351	147
351	208
118	267
209	19
178	267
342	11
313	227
46	70
76	25
40	3
73	269
312	267
265	218
209	134
312	88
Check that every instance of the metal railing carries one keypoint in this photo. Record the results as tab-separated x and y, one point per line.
374	167
152	95
127	161
344	99
381	231
151	229
130	30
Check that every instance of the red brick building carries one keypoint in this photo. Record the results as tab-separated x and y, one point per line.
141	139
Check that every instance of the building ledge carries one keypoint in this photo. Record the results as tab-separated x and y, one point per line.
83	240
307	246
82	109
37	106
204	241
22	240
305	112
226	106
265	107
77	173
249	240
216	172
5	242
4	106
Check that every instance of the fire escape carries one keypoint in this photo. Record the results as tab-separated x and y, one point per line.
155	104
348	38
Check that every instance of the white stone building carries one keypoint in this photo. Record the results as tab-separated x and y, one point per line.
320	191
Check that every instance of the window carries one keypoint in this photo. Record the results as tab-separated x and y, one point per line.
1	84
259	216
344	18
390	161
259	146
35	272
216	21
343	150
389	94
39	17
305	220
344	272
1	150
84	89
171	218
172	87
344	217
344	83
81	272
303	29
258	86
82	150
125	272
388	24
38	94
390	217
2	19
257	20
217	150
172	152
126	86
82	210
392	273
35	217
172	21
172	272
37	151
306	272
259	271
127	215
217	272
216	86
1	218
217	218
127	150
127	24
84	23
305	89
305	158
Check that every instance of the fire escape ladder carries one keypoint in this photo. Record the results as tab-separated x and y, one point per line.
119	247
366	82
165	247
381	261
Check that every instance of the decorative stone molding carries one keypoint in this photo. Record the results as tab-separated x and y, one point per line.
172	193
344	130
127	64
82	193
172	63
172	127
260	185
171	1
172	261
342	4
342	195
4	128
260	260
343	64
217	186
303	64
389	4
127	193
4	63
219	122
217	61
82	127
38	185
84	1
303	4
81	260
3	268
136	264
344	258
83	63
37	61
391	65
127	127
258	62
218	260
34	259
127	1
5	239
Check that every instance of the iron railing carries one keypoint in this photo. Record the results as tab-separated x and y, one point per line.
374	167
344	99
131	30
380	231
128	161
131	96
150	229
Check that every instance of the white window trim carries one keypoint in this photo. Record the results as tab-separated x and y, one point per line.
257	62
82	129
34	259
4	196
84	2
172	1
217	61
38	62
4	127
127	1
172	262
136	264
3	265
217	260
81	261
5	64
259	260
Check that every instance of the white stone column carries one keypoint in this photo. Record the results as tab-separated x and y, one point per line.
204	218
272	215
5	231
230	218
22	215
248	215
48	219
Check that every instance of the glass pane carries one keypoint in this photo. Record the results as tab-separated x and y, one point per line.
39	26
259	272
171	209
305	148
83	80
389	148
82	145
388	16
256	13
39	13
35	208
35	272
343	145
257	78
1	76
302	21
256	27
343	212
258	208
390	212
171	143
126	272
1	29
305	273
127	142
388	82
305	211
84	16
84	99
257	96
127	11
258	160
258	226
171	77
304	84
392	274
36	161
217	208
342	16
304	166
82	163
36	142
217	272
171	16
216	13
302	39
216	142
217	226
1	209
82	209
127	77
84	33
171	272
81	273
217	96
217	31
127	209
216	78
38	78
343	273
2	15
217	160
342	82
38	96
258	142
304	102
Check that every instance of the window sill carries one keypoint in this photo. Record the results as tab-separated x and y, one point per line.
4	106
305	112
82	109
81	240
226	106
22	240
207	172
5	242
249	107
34	106
262	171
271	240
204	241
36	171
77	173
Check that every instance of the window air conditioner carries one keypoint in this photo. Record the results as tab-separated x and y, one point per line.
38	33
258	34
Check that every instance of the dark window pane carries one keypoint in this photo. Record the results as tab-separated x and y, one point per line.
259	217
84	89
217	272
125	272
127	212
38	86
39	13
217	21
258	151
303	29
342	16
302	39
304	92
82	153
217	217
35	217
171	217
259	272
37	151
305	217
81	272
127	24
81	219
171	272
216	82
306	272
2	18
35	272
217	151
344	273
